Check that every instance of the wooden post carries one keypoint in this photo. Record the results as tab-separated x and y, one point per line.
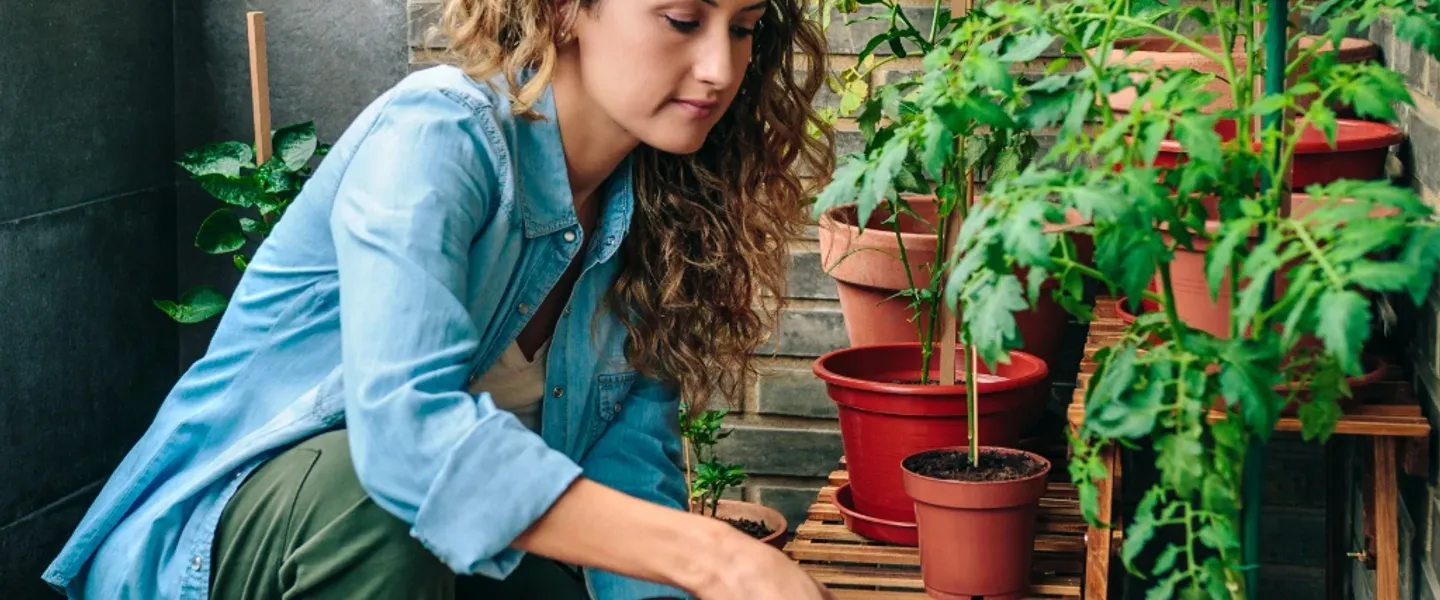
259	85
952	224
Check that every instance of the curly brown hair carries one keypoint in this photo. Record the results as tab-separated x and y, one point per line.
707	254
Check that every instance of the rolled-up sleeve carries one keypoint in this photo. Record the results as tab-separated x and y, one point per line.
468	477
639	454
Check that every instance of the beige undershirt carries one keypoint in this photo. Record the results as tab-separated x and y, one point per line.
515	384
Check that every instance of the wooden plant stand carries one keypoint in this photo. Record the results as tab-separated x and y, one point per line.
856	568
1390	418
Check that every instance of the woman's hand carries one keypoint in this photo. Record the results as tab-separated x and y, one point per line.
594	526
742	568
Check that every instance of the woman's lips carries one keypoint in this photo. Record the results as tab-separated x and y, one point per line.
698	109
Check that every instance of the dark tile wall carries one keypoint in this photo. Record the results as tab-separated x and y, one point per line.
87	239
327	60
97	97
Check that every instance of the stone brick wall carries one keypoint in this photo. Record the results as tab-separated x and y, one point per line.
1418	164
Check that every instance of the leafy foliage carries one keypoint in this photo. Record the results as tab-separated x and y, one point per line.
1295	343
227	171
712	477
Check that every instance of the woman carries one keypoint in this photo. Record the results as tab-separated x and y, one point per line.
524	262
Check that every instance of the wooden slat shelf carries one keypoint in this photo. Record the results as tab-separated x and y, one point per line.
857	568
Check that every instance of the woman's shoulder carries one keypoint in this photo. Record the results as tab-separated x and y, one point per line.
449	84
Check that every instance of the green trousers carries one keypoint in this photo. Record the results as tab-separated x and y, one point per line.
301	527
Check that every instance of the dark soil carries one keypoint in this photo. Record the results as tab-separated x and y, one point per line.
955	465
755	529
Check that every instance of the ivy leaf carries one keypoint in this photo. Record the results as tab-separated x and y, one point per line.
198	304
221	232
221	158
239	191
1344	324
295	144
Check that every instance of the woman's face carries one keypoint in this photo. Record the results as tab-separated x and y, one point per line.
665	70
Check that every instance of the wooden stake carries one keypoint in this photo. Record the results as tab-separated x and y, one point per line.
948	323
259	85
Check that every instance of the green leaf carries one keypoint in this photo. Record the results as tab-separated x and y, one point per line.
880	178
992	306
1027	46
991	73
1079	109
1114	409
1247	377
1380	276
1143	529
198	304
220	233
1165	588
1197	135
1370	101
1152	136
1218	258
239	191
240	262
988	113
953	116
1180	459
1422	249
939	147
222	158
842	188
1166	560
1343	323
295	144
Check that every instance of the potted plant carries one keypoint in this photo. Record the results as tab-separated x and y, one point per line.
708	478
1355	240
229	173
917	170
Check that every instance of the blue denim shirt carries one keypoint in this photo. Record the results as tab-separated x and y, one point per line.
417	251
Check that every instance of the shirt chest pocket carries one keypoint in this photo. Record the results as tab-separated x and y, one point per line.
609	395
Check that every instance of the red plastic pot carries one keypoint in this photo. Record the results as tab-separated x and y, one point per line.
977	538
883	420
868	272
1359	153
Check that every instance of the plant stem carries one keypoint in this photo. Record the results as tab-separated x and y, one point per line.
925	349
1314	249
1176	37
1171	314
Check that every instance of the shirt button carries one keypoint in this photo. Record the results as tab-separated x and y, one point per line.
617	407
558	391
569	236
523	308
195	564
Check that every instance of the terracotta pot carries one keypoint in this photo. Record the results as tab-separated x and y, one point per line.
867	270
882	422
977	538
1359	153
1163	53
1192	291
1375	368
735	509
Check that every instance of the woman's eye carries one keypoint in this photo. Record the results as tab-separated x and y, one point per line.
682	26
741	32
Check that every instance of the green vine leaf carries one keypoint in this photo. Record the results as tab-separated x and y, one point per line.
198	304
295	144
221	158
239	191
220	233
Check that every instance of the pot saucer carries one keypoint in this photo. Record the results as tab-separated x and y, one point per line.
881	530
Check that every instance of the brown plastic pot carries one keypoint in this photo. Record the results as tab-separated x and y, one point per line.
736	509
977	538
868	272
1162	52
1359	153
1358	384
1192	290
883	420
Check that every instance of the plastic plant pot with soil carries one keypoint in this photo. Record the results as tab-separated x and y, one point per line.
708	478
1359	153
869	273
976	523
886	415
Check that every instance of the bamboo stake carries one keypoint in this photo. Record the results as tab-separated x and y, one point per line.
259	85
948	323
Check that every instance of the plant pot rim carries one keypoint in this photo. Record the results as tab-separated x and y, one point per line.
1347	43
781	524
848	509
1351	135
1035	372
1044	471
830	218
